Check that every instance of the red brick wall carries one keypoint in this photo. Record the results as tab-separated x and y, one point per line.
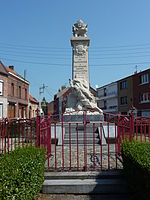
140	88
18	83
16	99
51	108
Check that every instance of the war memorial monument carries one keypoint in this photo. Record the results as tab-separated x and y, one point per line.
81	100
84	129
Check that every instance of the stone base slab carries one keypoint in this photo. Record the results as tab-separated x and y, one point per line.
80	118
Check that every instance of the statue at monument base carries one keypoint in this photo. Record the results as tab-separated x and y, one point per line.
84	100
81	101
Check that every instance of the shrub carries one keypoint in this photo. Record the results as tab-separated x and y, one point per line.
136	163
22	173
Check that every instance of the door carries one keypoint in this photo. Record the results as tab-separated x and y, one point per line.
11	111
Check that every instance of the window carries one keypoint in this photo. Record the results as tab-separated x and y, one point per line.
123	85
1	87
144	79
123	100
1	110
20	92
25	93
12	89
144	97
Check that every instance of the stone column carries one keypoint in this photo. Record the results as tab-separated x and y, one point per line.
80	43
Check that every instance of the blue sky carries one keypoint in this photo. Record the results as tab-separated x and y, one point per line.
35	36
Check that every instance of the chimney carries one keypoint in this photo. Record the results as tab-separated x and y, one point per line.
11	67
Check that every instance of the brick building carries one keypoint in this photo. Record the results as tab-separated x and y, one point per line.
18	94
125	94
14	93
141	93
51	108
60	100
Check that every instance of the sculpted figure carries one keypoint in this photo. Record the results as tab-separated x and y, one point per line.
80	49
85	99
79	29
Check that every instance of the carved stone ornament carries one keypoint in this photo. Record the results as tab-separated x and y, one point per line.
80	29
80	49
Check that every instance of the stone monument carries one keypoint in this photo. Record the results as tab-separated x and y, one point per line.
81	99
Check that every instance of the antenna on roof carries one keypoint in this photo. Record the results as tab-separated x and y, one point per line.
136	67
24	73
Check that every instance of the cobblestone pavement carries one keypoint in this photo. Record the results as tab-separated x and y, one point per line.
70	157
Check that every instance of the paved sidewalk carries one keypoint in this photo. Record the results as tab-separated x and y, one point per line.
84	197
90	157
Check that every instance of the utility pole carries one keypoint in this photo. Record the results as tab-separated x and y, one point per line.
41	91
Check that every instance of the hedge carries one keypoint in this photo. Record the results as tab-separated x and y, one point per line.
22	173
136	163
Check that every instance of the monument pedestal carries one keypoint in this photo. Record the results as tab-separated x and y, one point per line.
81	117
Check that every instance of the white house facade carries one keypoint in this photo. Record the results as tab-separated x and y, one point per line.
108	97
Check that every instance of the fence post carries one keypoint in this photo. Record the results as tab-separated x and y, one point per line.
8	135
85	141
5	133
37	128
131	134
119	134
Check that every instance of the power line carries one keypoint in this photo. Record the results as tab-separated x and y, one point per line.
63	54
35	50
37	63
96	47
39	53
56	50
50	94
34	56
64	58
64	65
32	47
129	49
121	57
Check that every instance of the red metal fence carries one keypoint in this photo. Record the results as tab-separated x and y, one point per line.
16	133
75	145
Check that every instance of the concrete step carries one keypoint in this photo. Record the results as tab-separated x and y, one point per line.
85	186
81	135
74	130
81	126
81	141
111	174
